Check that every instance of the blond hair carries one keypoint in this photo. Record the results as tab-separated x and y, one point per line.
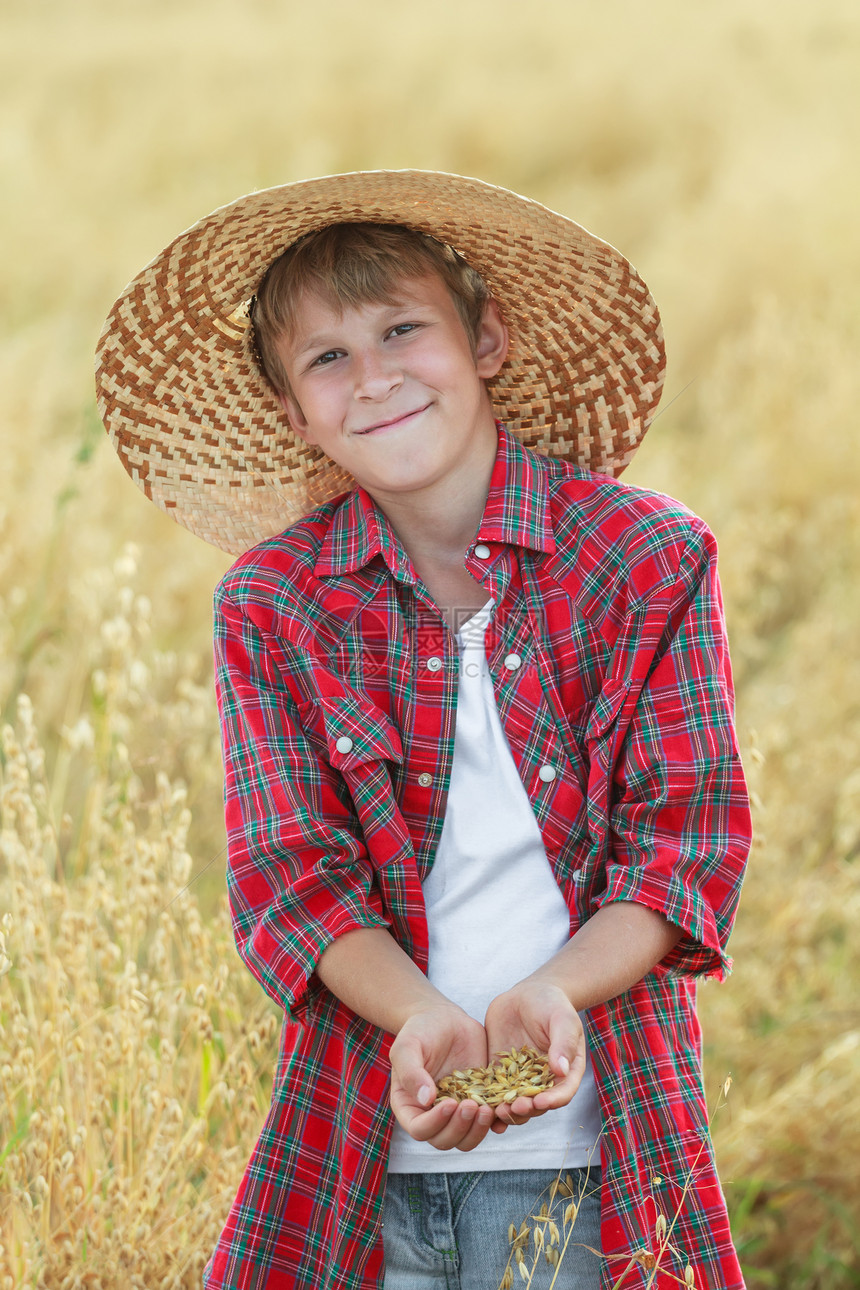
350	265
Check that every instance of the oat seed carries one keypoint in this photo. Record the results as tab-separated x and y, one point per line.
520	1073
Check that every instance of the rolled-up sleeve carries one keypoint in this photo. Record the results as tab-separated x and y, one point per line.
298	871
679	827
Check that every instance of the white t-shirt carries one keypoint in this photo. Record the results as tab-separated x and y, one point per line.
495	913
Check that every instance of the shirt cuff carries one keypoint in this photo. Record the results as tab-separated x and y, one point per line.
285	962
699	952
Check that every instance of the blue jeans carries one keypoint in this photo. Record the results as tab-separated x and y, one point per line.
450	1231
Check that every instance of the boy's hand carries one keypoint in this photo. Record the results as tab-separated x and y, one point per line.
431	1043
537	1014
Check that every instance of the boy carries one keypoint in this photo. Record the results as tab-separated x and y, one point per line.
482	784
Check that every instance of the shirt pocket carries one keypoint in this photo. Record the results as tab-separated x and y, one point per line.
564	805
602	734
350	733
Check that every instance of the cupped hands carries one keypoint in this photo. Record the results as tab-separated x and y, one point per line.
436	1040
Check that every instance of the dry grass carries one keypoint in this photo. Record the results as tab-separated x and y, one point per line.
545	1235
135	1057
656	1258
717	146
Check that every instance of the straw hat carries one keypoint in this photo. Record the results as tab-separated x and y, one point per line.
198	428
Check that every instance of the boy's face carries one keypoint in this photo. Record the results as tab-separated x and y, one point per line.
392	392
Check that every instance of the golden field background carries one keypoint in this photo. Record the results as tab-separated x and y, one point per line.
718	147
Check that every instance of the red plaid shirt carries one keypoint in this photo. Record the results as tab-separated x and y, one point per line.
338	740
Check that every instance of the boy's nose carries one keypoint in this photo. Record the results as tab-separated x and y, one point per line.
375	376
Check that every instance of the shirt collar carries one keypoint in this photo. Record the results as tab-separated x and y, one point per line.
359	531
517	509
516	513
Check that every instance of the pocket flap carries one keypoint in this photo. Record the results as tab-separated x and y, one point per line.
356	733
606	710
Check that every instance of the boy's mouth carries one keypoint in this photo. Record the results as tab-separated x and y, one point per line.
393	421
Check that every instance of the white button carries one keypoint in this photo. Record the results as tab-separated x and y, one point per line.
434	663
425	780
547	774
512	662
481	551
344	744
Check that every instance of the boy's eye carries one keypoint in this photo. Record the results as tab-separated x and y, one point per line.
322	360
403	329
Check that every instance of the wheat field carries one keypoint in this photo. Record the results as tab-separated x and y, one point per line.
717	146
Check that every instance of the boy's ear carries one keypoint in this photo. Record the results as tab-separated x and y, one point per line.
298	424
492	347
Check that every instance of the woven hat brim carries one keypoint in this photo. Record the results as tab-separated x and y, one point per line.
200	431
